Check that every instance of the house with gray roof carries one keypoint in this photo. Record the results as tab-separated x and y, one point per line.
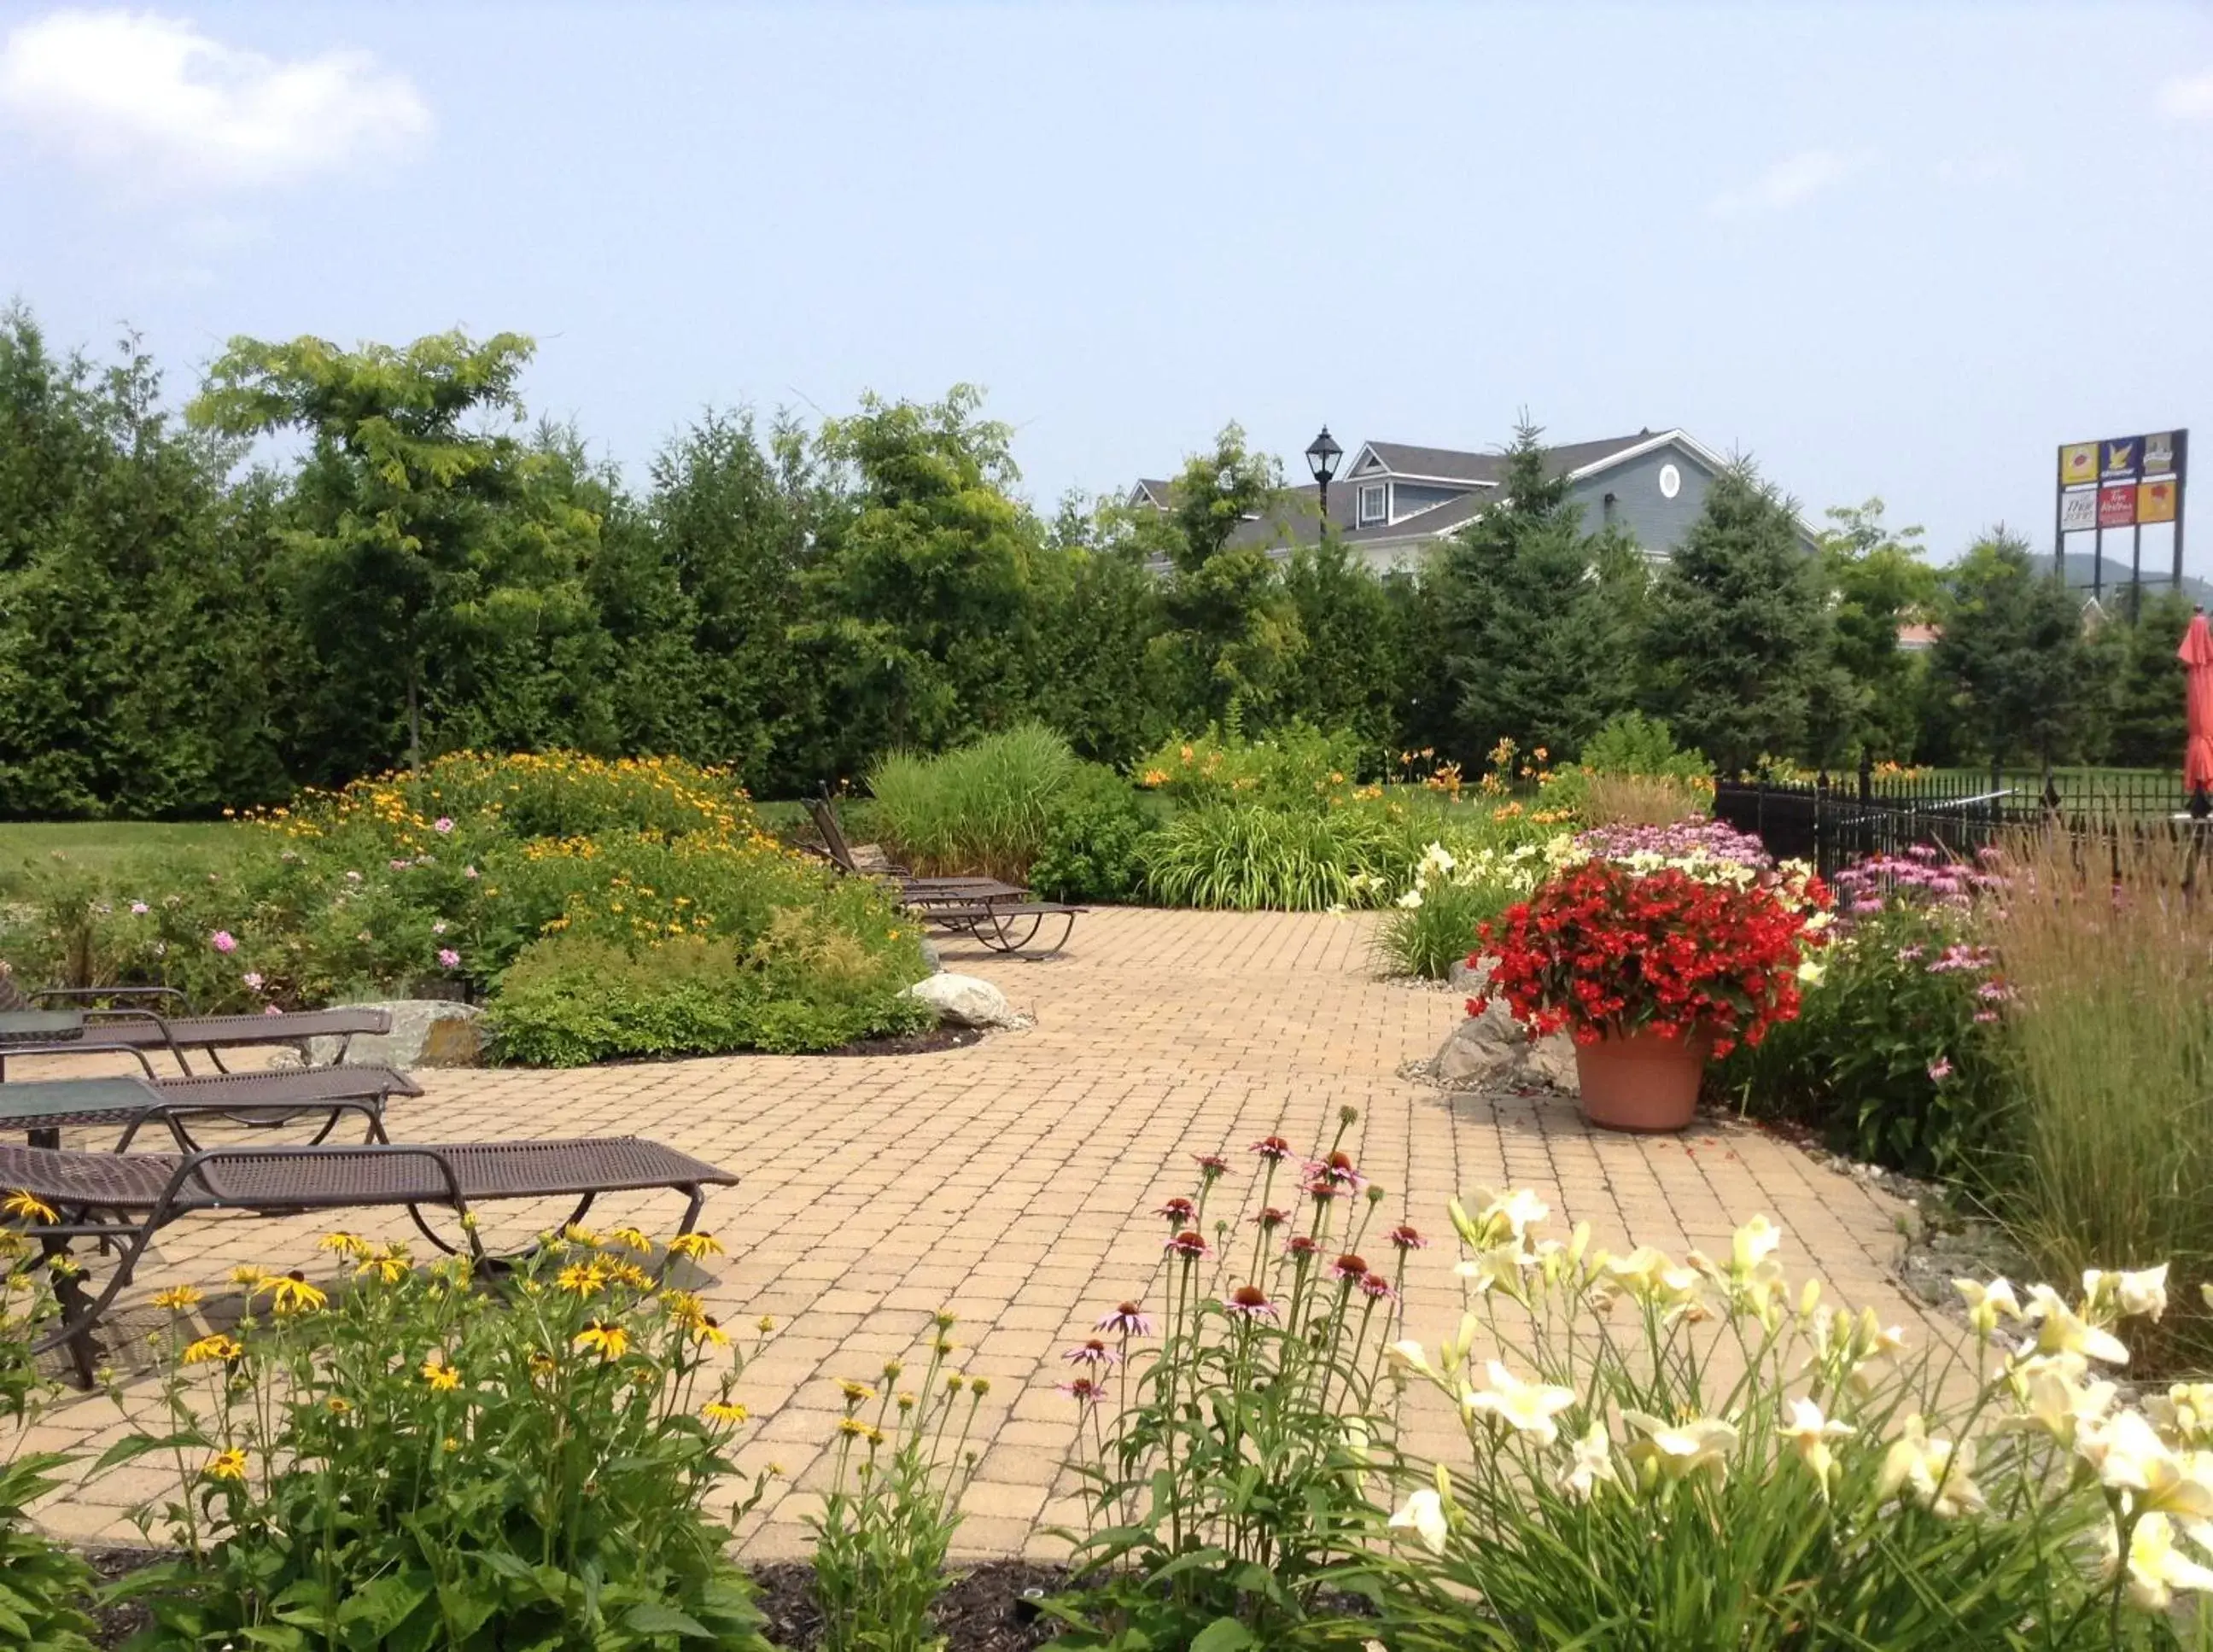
1394	502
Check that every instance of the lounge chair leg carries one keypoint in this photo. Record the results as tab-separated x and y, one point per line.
77	1323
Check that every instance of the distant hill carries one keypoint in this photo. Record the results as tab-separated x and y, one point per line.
2117	572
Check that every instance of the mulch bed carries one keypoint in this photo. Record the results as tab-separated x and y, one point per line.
912	1044
986	1608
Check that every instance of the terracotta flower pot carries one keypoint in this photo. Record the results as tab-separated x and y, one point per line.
1642	1081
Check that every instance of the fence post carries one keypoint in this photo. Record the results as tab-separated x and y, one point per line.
1865	836
1822	829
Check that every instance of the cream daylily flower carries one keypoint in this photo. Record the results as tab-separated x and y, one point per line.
1424	1513
2142	1293
1811	972
1935	1473
2130	1456
2055	1400
1810	1433
1591	1460
1986	1301
1526	1407
1498	1268
2155	1567
1408	1356
2059	1330
1681	1449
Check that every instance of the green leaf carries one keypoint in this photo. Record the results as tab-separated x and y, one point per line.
651	1618
1222	1635
138	1445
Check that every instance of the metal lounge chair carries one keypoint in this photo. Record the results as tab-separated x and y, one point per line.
998	916
43	1107
123	1199
125	1014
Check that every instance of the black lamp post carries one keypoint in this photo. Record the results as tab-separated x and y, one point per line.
1322	454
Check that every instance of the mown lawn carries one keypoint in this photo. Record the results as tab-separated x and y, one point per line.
97	844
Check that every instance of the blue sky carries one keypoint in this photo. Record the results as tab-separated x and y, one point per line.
1895	250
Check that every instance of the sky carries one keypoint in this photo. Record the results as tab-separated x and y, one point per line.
1894	250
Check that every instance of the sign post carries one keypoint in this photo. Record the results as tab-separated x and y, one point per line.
2120	482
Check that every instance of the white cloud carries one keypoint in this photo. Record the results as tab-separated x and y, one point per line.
2187	97
1793	180
154	99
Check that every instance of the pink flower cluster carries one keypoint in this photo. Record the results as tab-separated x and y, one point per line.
1686	838
1921	876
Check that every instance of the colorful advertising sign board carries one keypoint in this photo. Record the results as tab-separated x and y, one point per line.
2117	505
2078	511
2155	501
2159	454
2119	458
2078	464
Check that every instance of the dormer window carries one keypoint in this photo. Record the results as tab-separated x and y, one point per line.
1374	504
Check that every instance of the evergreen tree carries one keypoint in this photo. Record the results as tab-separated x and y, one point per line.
2011	659
1353	673
1539	618
2148	722
1738	642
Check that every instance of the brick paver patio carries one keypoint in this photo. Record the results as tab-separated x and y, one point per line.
1013	1183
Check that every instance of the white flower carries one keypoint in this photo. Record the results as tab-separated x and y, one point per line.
1986	1301
1408	1356
2059	1330
1423	1511
2143	1293
1935	1473
1811	972
2056	1401
2156	1568
1514	1213
2130	1456
1412	900
1526	1407
1809	1434
1683	1448
1592	1461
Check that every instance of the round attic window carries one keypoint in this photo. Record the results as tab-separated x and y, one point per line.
1671	481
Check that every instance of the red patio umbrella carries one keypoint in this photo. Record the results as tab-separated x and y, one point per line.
2197	656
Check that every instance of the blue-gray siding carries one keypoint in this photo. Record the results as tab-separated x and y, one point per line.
1654	521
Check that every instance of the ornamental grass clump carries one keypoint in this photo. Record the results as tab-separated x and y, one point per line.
401	1457
1666	1455
1437	921
2104	953
902	1460
985	808
1226	1466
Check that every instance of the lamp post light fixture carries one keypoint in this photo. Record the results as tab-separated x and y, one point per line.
1322	454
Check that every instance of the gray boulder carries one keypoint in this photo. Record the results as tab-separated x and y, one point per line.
966	1001
426	1033
1492	1051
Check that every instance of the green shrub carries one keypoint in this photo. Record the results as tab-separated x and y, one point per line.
1247	857
410	1460
804	985
984	808
1432	926
1887	1058
42	1584
1095	848
1296	766
1634	744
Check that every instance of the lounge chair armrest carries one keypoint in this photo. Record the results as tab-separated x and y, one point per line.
80	1047
76	993
169	1115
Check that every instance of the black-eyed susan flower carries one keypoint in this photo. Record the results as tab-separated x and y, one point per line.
695	1246
345	1244
856	1393
583	1278
607	1341
226	1465
215	1347
28	1207
177	1298
292	1293
630	1239
725	1410
387	1262
442	1378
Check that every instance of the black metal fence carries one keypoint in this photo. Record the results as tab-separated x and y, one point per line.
1832	822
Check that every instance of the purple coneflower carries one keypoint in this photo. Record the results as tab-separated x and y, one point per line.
1093	1352
1274	1149
1212	1165
1301	1245
1178	1211
1405	1237
1250	1302
1376	1287
1084	1391
1337	1170
1940	1070
1270	1219
1128	1320
1349	1266
1190	1244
